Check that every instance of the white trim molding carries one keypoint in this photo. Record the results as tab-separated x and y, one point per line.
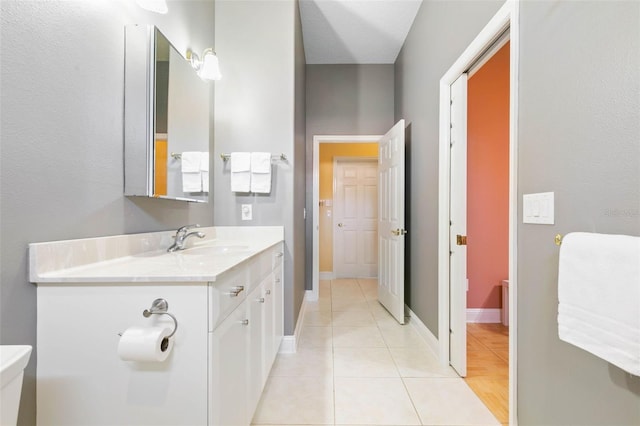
484	315
327	276
289	343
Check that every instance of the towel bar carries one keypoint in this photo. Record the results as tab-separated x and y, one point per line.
558	239
281	157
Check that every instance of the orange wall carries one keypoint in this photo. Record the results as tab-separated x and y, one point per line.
327	153
488	181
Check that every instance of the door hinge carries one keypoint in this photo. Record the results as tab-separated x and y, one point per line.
461	240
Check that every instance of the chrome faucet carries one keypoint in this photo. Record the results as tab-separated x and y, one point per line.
182	235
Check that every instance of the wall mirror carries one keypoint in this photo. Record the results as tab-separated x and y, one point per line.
166	120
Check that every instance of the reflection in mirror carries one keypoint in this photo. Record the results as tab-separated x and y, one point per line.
177	141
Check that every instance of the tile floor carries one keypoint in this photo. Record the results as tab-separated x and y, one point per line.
356	365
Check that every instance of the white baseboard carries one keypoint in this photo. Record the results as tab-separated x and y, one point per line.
311	296
424	332
481	315
327	276
289	343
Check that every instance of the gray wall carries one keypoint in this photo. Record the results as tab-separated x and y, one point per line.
256	111
299	149
345	100
579	136
62	124
440	33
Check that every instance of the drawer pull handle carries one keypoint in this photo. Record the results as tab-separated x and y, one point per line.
244	322
280	254
268	292
235	291
261	300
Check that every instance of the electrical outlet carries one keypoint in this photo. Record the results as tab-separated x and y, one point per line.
247	213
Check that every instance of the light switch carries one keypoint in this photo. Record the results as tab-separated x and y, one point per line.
538	208
247	213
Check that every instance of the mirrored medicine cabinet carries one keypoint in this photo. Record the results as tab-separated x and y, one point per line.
166	114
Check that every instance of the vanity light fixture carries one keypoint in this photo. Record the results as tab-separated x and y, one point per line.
208	67
158	6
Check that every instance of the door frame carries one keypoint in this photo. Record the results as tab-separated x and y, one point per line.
506	18
313	294
336	160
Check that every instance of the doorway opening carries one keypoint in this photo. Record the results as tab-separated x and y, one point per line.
452	249
328	140
487	219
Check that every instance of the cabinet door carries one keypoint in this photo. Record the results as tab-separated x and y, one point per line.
268	327
256	304
278	309
228	345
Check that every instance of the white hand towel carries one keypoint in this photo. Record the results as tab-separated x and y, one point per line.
599	296
240	162
192	182
261	172
240	172
190	167
191	161
260	162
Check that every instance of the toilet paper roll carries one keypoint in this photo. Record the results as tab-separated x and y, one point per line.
145	344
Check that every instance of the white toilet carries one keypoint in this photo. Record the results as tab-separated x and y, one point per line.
13	360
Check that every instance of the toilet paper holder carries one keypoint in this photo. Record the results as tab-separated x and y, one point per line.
161	307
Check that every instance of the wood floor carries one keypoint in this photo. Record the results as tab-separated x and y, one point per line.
488	366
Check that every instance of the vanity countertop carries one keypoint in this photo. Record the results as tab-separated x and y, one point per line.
143	257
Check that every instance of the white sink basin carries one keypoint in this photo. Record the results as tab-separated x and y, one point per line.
13	360
215	250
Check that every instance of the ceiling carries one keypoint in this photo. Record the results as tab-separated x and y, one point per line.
355	31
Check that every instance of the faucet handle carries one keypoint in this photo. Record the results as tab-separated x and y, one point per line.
187	227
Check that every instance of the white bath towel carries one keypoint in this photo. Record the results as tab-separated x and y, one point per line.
191	175
204	171
204	161
599	296
192	182
191	161
261	172
240	172
240	162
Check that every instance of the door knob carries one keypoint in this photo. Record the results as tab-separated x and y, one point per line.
340	225
398	232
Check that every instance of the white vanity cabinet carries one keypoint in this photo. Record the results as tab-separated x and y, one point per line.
246	342
230	325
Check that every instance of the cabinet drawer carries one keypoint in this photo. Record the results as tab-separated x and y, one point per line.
226	293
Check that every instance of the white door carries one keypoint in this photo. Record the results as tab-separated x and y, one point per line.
391	221
458	228
356	219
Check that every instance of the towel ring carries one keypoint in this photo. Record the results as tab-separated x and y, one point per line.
160	307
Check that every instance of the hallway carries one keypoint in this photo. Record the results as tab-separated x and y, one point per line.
356	365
